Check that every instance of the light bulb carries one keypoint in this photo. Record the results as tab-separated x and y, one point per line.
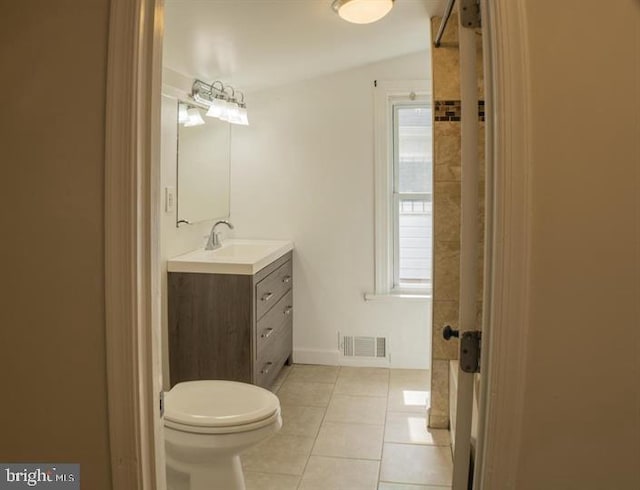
183	115
233	113
218	107
243	117
232	109
195	119
224	115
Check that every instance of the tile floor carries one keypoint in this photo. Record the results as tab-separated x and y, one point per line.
350	429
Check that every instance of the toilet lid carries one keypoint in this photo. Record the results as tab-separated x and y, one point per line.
218	403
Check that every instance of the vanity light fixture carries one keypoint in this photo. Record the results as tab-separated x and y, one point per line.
232	110
233	107
222	101
195	119
218	101
362	11
218	107
183	115
243	118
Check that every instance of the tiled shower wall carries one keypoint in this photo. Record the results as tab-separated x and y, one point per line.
447	189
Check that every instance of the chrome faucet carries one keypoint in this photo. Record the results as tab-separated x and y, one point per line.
214	237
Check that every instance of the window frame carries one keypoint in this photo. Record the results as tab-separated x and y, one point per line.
388	94
397	196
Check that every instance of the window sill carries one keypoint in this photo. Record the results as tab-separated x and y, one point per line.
420	297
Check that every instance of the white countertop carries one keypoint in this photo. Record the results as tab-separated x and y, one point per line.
235	256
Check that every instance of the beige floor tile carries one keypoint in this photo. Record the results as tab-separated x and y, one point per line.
314	374
357	441
366	386
301	421
411	428
357	409
409	386
402	486
363	372
422	465
266	481
408	373
408	400
305	394
410	379
281	454
339	422
282	376
324	473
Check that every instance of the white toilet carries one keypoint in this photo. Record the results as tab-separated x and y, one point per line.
207	424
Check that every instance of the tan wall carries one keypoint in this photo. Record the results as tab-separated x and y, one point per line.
582	409
52	332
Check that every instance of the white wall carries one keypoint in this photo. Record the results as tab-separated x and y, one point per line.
581	426
174	241
303	170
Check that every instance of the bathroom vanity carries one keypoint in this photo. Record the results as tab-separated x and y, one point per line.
231	312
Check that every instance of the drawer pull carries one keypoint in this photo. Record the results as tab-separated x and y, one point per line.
286	279
266	368
288	310
266	297
267	333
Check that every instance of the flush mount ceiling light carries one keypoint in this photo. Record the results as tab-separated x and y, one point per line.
362	11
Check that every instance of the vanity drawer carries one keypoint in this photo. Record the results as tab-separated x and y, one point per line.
272	288
270	325
273	357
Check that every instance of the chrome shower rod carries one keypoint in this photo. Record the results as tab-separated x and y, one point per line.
443	23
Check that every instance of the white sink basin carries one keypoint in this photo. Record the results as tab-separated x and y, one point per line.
240	250
234	257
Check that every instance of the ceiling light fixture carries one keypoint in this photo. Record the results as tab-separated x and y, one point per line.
221	101
362	11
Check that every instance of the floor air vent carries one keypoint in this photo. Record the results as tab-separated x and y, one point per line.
364	346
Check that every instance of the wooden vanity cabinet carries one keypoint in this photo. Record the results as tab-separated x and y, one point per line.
228	326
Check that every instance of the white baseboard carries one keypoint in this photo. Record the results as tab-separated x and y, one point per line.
334	358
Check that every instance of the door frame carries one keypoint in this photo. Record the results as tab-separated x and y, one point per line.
507	267
132	287
132	212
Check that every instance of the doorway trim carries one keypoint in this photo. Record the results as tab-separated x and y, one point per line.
132	311
132	286
504	343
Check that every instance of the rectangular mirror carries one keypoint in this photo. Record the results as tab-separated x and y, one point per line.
203	165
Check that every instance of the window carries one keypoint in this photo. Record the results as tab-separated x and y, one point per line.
403	195
412	196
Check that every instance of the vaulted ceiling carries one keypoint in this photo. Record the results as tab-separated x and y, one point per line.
254	44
